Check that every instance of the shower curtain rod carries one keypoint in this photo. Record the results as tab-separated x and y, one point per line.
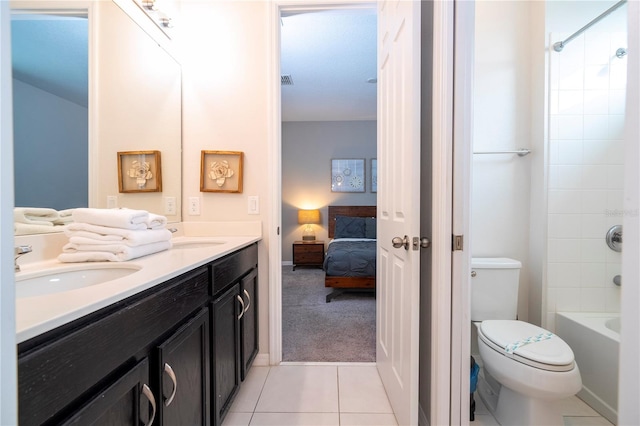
558	46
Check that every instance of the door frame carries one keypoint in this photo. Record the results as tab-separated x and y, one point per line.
274	100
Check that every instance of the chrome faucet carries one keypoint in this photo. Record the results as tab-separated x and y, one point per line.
19	251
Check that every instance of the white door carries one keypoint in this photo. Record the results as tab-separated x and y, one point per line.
398	272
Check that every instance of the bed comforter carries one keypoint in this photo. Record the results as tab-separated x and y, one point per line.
347	257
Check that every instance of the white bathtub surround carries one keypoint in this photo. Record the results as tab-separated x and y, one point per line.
586	122
595	340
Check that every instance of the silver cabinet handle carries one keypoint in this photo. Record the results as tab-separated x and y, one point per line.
172	376
248	300
147	392
241	303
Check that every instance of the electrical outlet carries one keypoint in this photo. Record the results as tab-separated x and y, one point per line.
253	204
112	201
170	205
194	206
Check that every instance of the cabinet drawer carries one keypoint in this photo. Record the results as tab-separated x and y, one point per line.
232	267
309	258
55	374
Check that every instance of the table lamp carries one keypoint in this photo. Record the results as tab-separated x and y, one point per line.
307	217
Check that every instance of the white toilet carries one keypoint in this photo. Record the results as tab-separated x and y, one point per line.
526	368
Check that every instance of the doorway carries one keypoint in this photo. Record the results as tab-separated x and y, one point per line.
328	91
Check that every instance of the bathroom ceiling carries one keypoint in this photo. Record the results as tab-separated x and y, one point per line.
329	55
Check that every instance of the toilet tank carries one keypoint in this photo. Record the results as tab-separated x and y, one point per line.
494	288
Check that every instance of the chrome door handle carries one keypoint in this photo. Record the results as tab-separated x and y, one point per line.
147	392
172	376
398	242
241	303
248	300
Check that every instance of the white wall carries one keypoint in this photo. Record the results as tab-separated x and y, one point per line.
502	115
307	150
224	54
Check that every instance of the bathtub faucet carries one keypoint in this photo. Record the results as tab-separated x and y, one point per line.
19	251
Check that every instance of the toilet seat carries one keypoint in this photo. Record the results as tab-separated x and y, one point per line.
552	354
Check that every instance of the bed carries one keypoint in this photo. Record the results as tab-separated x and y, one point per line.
350	261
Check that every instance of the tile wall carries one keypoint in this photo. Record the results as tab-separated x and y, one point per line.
586	121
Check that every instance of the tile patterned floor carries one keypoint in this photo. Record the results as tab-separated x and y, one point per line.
342	395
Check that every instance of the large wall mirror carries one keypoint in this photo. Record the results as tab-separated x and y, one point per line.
89	83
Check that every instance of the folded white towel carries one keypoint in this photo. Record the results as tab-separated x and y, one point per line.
30	228
116	253
65	217
132	238
35	215
156	221
105	233
115	218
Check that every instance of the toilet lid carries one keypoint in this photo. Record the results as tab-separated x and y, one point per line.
528	344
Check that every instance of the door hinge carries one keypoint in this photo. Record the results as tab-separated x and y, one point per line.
457	243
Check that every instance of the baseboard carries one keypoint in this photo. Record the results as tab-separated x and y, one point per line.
261	360
287	262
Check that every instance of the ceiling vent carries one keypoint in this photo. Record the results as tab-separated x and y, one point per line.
286	80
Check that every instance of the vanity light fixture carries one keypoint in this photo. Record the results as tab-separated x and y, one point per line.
149	4
308	217
166	22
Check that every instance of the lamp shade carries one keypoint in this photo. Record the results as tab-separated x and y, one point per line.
306	217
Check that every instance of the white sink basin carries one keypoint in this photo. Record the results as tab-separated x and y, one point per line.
68	278
196	242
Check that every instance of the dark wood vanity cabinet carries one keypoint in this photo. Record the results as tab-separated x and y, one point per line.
161	357
235	325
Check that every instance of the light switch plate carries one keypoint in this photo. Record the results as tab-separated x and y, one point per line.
112	201
253	206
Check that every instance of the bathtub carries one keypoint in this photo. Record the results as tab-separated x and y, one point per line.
595	341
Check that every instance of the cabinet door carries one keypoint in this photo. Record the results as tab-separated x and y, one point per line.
249	321
183	372
226	311
128	401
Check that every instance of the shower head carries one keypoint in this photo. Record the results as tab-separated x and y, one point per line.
558	46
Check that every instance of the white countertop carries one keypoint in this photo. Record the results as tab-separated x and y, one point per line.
39	314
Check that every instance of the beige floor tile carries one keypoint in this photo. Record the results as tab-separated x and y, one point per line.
237	419
484	420
361	391
295	419
586	421
247	398
367	419
300	389
575	407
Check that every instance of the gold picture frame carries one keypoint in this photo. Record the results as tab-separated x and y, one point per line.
139	171
221	171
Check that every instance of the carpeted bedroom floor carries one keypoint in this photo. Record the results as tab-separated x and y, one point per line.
315	331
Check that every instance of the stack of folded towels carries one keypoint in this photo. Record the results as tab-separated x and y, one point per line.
115	235
39	220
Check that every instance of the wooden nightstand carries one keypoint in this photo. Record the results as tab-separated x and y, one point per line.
309	253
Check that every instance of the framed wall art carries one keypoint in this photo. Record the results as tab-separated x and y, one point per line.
139	171
221	171
374	175
347	175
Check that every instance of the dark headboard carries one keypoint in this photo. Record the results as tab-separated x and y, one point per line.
355	211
